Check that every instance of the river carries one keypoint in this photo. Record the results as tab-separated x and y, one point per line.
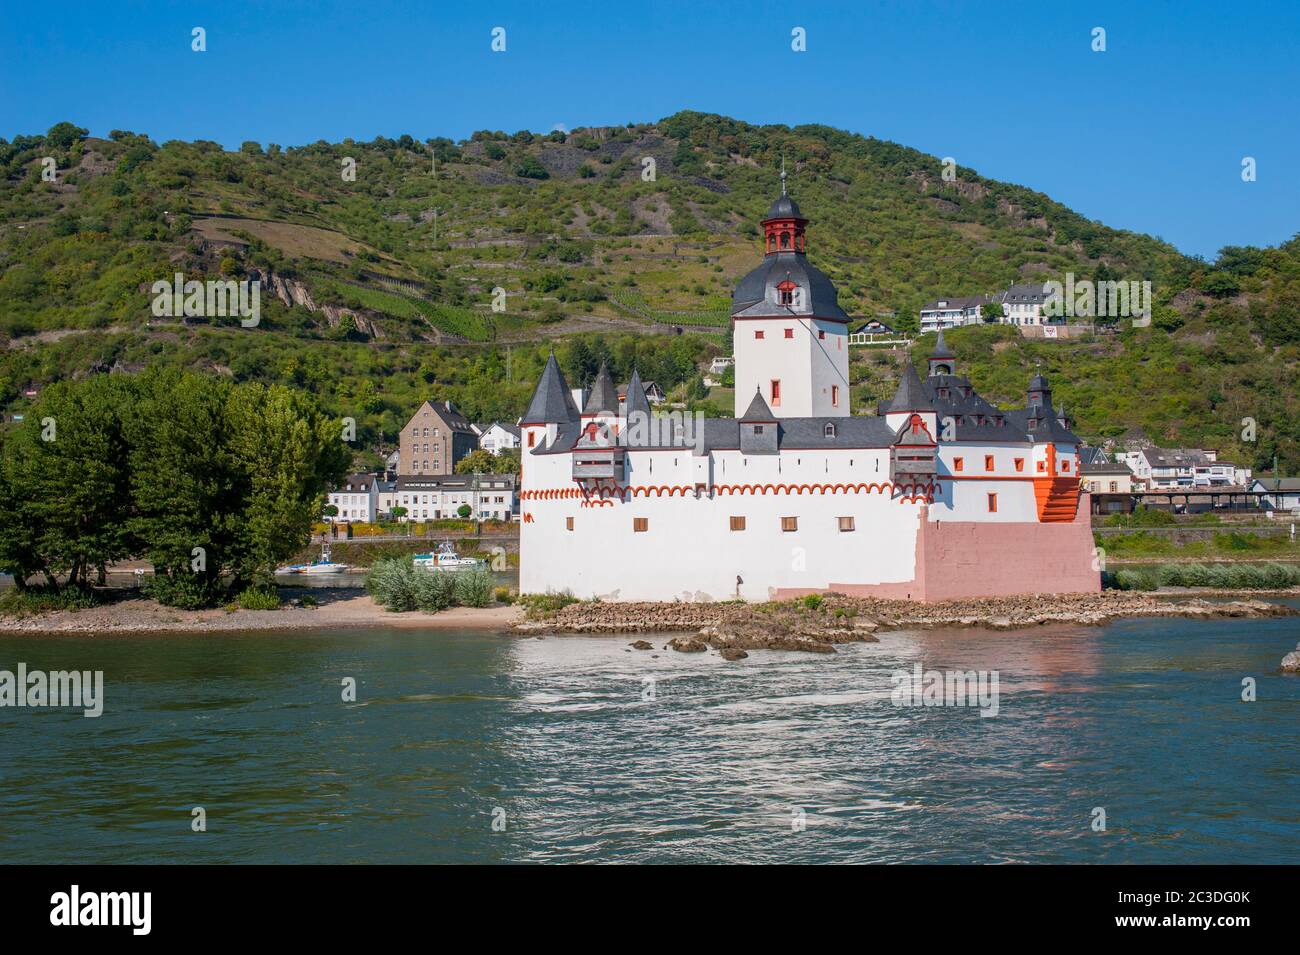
580	749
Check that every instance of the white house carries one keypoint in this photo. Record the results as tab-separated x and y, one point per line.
941	495
1280	494
1174	468
357	499
498	436
440	497
953	312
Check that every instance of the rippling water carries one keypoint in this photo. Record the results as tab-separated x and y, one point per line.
1143	718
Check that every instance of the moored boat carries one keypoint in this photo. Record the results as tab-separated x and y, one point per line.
444	557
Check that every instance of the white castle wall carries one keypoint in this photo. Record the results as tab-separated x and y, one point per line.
689	551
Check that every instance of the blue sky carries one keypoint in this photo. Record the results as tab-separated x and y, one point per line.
1148	135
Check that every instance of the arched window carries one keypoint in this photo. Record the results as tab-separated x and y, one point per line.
785	240
830	430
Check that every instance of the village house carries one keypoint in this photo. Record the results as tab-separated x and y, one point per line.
357	499
1174	468
1110	483
1278	494
953	312
434	439
497	436
440	497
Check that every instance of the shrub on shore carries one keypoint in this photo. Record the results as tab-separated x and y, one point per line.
542	605
1218	576
259	598
38	600
474	587
398	585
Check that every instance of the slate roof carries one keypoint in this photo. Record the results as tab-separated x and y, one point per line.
910	396
820	300
636	396
783	208
758	409
604	397
551	402
941	349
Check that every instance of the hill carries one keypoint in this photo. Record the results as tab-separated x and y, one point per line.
379	285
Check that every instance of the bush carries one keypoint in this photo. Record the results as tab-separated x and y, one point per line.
474	587
183	590
503	595
392	582
434	589
812	601
541	605
34	600
259	598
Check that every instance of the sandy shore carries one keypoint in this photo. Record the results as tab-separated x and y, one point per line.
337	609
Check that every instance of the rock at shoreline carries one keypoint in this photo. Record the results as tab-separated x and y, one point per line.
732	653
686	645
642	645
1291	662
794	625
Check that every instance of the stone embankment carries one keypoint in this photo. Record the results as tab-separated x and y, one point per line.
817	625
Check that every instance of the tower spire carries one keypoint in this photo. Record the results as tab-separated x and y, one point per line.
783	174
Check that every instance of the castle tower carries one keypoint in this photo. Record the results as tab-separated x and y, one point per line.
551	406
790	334
942	361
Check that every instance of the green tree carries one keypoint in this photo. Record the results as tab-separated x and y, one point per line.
477	461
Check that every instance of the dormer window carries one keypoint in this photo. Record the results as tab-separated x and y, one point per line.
829	430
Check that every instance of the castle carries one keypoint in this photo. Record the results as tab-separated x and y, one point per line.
940	495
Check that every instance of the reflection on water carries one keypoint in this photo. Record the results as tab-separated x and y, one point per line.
599	753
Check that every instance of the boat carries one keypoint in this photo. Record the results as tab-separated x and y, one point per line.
320	567
446	558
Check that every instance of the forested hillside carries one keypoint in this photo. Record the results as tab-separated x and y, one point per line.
378	286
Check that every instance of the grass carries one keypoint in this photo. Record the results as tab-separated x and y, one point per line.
398	585
39	600
1227	545
1217	576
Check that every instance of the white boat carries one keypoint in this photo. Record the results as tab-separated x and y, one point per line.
445	558
317	567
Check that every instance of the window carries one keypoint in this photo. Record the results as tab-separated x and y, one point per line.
776	392
737	523
958	464
758	429
1020	464
789	524
988	462
993	503
829	430
532	439
568	523
758	333
640	525
846	524
835	396
1114	486
821	333
1042	466
789	333
1065	467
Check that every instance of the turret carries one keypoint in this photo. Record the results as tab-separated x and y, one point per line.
942	361
551	406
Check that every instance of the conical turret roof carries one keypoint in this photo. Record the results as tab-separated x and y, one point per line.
552	402
604	396
910	396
